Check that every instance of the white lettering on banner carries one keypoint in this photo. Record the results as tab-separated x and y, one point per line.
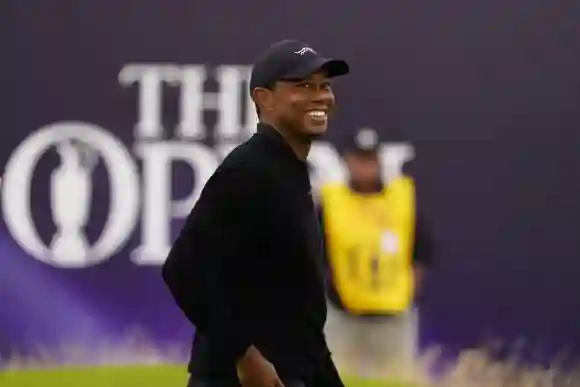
158	209
194	100
151	79
81	145
192	103
229	125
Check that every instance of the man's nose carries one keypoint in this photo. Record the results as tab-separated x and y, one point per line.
323	95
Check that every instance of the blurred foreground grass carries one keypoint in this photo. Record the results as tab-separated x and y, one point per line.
135	363
129	376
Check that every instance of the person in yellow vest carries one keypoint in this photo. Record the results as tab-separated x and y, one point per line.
376	249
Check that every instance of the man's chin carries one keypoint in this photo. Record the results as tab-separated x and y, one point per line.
315	131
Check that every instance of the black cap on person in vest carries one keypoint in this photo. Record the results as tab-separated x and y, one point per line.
364	141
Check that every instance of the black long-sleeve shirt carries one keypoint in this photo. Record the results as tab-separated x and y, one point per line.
247	267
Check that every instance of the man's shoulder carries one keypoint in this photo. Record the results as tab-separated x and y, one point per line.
245	162
247	155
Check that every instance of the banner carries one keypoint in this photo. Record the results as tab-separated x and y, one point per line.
114	118
89	218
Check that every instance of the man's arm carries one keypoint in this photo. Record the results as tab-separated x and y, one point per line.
326	263
423	252
331	291
208	243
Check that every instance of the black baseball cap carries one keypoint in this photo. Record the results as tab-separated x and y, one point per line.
291	60
364	141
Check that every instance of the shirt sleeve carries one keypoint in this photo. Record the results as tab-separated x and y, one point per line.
213	236
319	213
423	251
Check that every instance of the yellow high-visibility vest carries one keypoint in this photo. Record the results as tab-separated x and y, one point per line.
370	242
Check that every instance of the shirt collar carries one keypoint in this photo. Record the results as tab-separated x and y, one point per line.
378	187
270	133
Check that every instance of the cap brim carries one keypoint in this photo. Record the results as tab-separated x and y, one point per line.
332	67
370	153
358	150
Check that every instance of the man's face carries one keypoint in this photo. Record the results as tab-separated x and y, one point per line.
363	168
304	106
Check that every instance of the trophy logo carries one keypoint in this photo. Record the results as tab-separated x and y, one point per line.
80	146
71	189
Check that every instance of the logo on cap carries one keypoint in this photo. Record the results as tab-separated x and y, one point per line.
366	138
304	50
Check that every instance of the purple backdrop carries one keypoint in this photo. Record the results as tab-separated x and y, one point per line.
488	95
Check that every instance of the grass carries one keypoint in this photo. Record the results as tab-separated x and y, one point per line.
155	367
472	369
124	376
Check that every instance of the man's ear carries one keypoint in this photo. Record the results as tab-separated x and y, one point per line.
262	98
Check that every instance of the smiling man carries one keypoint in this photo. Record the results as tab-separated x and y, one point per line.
247	268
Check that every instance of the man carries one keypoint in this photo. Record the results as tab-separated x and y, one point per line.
247	268
376	250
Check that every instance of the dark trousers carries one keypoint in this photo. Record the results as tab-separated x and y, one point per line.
199	382
325	376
